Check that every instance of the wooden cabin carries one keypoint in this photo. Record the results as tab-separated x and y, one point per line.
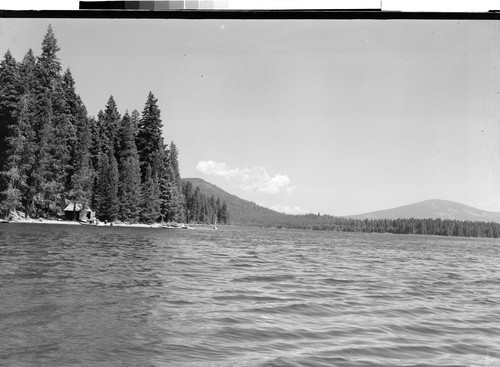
79	212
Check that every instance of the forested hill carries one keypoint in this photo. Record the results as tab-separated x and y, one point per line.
240	211
443	209
243	212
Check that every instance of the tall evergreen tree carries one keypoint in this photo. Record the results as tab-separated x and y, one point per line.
27	72
178	204
106	132
149	136
65	131
106	195
29	84
112	120
20	159
129	188
99	140
50	66
150	201
52	126
9	100
165	189
114	204
126	135
187	192
218	210
224	214
212	209
105	142
80	172
135	117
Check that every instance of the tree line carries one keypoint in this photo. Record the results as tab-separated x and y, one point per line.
439	227
203	209
52	153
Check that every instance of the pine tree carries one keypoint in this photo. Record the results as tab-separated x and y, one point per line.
20	159
135	117
212	212
82	182
114	204
100	183
218	210
165	186
187	191
83	176
150	200
80	173
149	137
106	193
195	205
224	214
50	66
105	132
129	188
105	137
29	85
111	123
126	136
178	204
9	99
99	140
52	127
65	130
27	72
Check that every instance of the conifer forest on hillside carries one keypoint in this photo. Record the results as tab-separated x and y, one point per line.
53	154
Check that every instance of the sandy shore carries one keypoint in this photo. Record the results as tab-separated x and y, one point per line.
43	221
102	224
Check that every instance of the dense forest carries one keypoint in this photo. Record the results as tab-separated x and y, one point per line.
53	154
201	208
429	226
247	213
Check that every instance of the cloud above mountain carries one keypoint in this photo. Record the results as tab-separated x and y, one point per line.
254	179
286	209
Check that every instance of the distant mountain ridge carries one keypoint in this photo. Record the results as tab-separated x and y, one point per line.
246	212
434	209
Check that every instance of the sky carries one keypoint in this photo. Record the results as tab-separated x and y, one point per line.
338	117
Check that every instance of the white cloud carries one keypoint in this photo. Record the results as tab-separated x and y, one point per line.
218	169
248	179
286	209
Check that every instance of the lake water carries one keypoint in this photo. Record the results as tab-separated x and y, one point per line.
109	296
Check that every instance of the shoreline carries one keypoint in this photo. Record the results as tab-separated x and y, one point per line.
102	224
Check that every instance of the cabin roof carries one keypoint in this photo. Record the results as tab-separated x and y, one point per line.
78	207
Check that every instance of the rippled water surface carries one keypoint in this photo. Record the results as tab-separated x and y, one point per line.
86	296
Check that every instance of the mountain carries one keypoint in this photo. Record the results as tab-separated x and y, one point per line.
240	211
247	212
442	209
424	218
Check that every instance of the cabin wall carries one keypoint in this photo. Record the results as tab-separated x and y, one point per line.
68	214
